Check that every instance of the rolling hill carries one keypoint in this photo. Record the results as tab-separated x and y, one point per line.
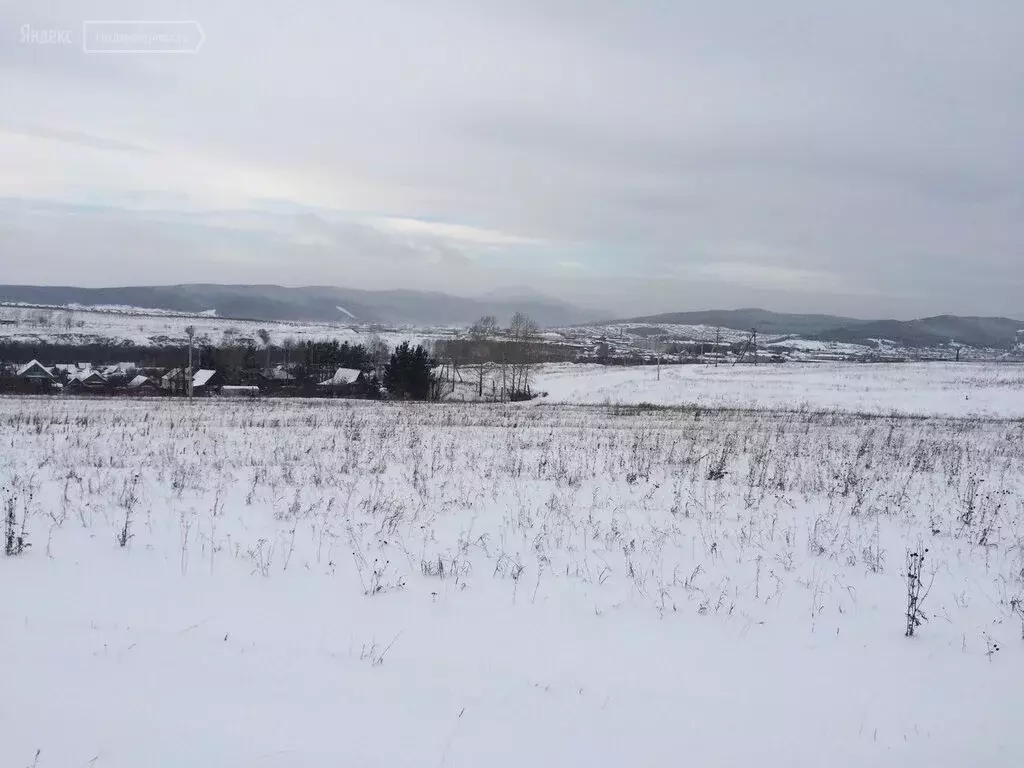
746	319
309	303
987	332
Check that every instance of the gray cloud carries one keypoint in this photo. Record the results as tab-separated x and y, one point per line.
650	155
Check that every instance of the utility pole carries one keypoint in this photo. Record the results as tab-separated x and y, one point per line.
718	342
751	344
191	331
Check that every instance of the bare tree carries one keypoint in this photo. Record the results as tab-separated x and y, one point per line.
190	331
484	328
379	352
482	332
264	335
289	345
522	334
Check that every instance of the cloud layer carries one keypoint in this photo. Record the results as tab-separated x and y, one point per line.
642	156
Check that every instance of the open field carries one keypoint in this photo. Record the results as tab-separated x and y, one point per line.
296	583
926	389
146	327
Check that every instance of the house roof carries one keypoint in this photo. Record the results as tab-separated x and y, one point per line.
174	373
280	373
341	376
202	376
138	381
115	368
34	365
87	376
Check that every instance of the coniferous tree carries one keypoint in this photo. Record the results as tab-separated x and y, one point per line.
407	374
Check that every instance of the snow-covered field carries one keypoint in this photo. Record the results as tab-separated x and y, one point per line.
947	389
706	333
342	583
128	325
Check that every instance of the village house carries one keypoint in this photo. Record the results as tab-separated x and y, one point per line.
36	371
276	379
206	382
86	381
175	382
346	382
119	371
341	377
143	385
34	377
278	374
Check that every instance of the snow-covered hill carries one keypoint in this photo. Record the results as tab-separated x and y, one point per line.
147	327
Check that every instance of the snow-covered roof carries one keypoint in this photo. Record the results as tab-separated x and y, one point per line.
34	365
174	373
280	373
202	376
138	381
84	376
341	376
115	368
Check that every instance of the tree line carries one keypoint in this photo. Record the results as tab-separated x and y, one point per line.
500	359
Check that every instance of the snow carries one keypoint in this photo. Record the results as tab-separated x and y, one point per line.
314	583
143	327
949	389
345	311
814	345
706	333
138	381
124	309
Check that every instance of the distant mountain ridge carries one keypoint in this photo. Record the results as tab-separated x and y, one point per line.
746	319
989	332
431	308
310	303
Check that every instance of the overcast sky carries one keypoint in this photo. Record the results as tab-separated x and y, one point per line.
862	158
